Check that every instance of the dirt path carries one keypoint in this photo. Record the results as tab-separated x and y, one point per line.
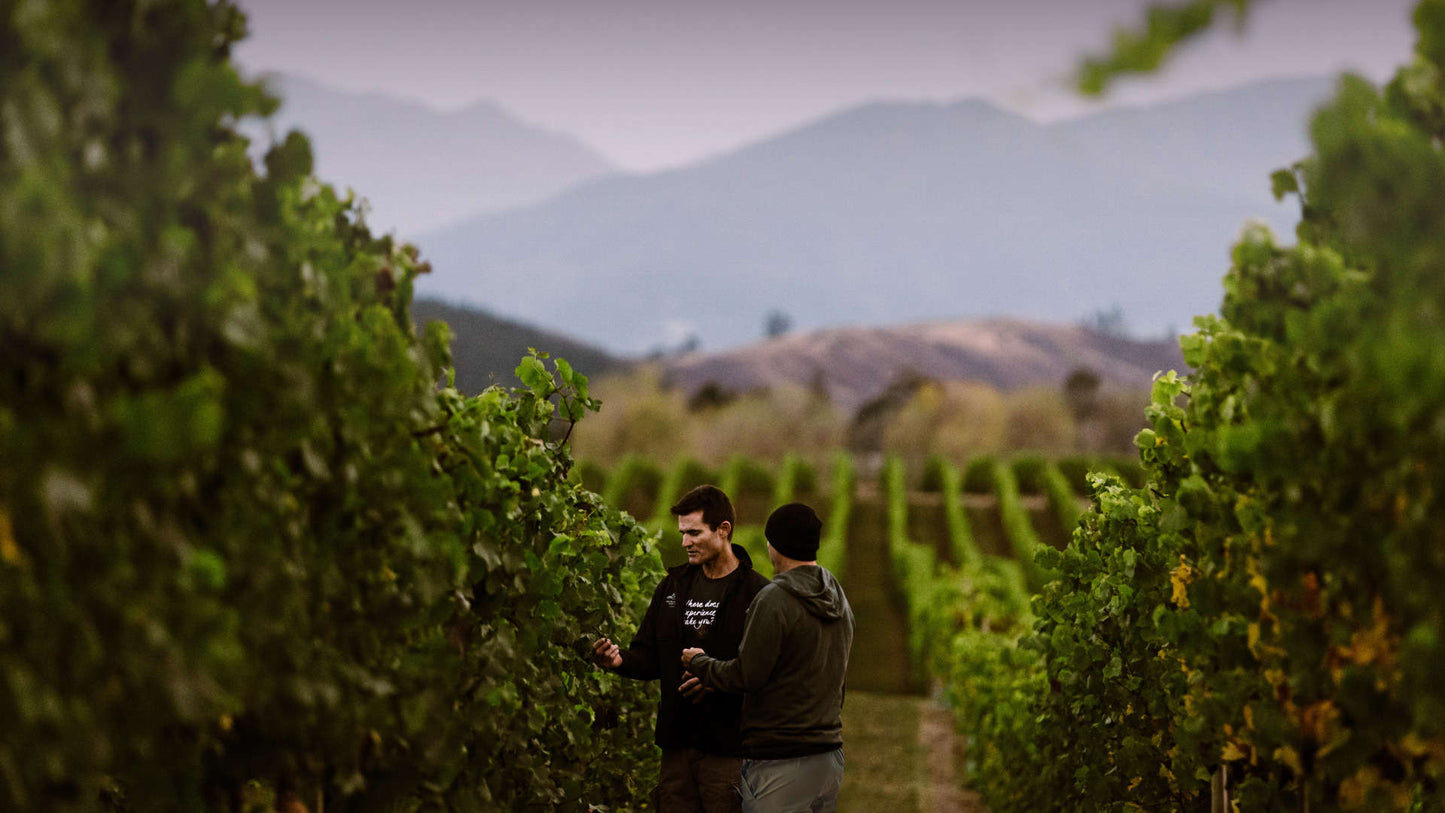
902	756
943	791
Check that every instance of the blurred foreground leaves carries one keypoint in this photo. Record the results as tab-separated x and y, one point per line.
245	540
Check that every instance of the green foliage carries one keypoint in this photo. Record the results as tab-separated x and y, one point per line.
532	722
913	564
1128	469
730	476
805	477
979	594
990	683
592	476
1017	526
692	474
832	553
933	474
1111	671
685	475
1075	469
647	418
1029	473
1062	501
1268	602
978	475
1143	51
244	539
749	477
634	485
752	540
789	472
642	418
960	535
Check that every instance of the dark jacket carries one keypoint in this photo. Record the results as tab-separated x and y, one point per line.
791	664
711	726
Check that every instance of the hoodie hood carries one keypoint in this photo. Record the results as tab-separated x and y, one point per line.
816	588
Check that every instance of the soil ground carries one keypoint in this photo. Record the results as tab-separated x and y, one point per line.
901	757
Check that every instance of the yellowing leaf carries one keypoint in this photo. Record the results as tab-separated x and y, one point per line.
10	552
1232	752
1290	757
1256	578
1415	746
1179	579
1374	642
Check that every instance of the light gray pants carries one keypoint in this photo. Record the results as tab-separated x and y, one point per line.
799	785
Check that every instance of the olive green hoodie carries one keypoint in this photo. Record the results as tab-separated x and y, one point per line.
790	666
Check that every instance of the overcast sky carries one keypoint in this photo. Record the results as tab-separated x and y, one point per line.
659	83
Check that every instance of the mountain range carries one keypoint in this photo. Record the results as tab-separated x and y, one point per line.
897	212
486	348
853	365
421	169
856	364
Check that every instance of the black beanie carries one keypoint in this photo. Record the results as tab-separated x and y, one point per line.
794	530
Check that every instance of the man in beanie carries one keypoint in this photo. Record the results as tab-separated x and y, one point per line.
790	667
701	603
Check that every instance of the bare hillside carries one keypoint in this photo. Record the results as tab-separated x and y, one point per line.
857	363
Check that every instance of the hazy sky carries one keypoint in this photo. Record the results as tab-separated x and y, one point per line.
658	83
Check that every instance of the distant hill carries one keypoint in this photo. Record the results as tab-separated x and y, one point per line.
858	363
421	169
895	212
486	348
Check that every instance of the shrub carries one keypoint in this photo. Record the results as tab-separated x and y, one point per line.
805	477
752	478
1038	420
1075	469
686	475
933	476
642	419
1017	526
1029	473
1062	501
244	536
955	419
591	475
978	478
832	553
1127	468
1267	603
634	486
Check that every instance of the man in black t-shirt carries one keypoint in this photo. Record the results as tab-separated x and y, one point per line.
700	604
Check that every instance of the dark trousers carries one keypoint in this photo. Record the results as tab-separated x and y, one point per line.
694	782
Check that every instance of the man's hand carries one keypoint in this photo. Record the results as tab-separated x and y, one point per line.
692	687
687	656
606	654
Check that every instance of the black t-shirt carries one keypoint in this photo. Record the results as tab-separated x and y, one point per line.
699	612
700	607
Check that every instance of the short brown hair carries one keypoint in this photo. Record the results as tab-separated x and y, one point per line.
714	504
